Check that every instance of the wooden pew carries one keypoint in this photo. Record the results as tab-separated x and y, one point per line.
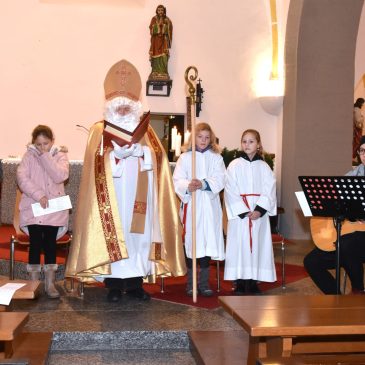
231	348
33	346
11	325
285	327
29	291
24	348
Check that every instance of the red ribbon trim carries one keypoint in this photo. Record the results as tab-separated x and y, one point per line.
244	198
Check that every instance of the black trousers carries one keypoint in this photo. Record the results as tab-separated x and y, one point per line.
42	238
352	257
203	262
127	284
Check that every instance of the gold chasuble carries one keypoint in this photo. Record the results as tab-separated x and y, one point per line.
98	238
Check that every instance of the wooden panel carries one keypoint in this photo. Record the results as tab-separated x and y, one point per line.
315	360
33	346
29	291
303	322
333	344
11	323
219	347
230	303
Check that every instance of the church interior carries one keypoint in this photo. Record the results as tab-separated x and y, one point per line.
291	70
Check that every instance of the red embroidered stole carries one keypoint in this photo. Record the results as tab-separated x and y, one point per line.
106	214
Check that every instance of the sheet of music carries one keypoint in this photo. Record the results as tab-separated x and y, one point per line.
303	203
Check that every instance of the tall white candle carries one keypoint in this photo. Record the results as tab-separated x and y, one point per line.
173	137
178	145
186	136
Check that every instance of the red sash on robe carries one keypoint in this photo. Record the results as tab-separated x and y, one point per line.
244	198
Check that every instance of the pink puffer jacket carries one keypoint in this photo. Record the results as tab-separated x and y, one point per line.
40	176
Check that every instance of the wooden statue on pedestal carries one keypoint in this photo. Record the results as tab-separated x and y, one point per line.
159	82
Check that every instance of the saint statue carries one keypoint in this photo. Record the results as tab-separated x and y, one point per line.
161	38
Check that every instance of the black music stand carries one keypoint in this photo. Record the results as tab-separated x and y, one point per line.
339	197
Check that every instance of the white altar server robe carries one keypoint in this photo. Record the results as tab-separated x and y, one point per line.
209	225
242	262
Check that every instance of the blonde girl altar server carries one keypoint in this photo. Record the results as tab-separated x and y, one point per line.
250	198
41	175
210	179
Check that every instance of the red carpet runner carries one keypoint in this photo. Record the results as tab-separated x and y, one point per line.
174	287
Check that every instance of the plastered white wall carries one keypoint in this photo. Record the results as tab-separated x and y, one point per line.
55	55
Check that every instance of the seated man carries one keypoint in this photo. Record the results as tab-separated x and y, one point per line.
352	252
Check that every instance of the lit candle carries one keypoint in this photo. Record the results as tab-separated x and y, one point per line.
186	136
178	145
173	138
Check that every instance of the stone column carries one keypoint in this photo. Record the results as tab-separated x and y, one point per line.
319	95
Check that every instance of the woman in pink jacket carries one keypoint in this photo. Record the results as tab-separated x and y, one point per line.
41	176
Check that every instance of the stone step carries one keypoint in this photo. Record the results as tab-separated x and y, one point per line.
119	340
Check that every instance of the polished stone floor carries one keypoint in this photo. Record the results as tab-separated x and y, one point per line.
93	331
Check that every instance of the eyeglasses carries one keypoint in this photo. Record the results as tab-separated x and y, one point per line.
361	151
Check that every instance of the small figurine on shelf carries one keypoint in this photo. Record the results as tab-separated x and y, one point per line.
161	39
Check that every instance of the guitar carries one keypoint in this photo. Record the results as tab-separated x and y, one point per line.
324	233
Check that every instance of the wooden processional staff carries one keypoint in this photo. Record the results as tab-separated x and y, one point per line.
189	80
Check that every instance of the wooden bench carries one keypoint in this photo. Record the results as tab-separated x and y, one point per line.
288	325
231	348
21	347
11	325
33	346
29	291
285	327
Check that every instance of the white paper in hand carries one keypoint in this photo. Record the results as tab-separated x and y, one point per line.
54	205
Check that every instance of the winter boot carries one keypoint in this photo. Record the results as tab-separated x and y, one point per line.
34	271
50	274
189	285
204	289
